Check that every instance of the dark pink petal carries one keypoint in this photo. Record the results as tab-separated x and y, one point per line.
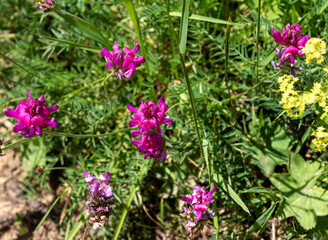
186	199
29	95
168	121
136	133
292	50
105	53
131	109
19	127
161	101
51	124
127	50
110	65
211	192
38	131
199	215
136	142
136	49
138	61
303	40
147	155
53	108
200	207
118	60
133	123
10	113
128	74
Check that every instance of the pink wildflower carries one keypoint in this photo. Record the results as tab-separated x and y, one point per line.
293	42
148	118
123	65
32	116
44	5
100	207
197	213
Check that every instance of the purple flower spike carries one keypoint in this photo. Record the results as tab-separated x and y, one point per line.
197	212
292	42
32	116
148	118
100	207
122	65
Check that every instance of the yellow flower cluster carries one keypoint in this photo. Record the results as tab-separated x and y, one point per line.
321	139
292	100
314	49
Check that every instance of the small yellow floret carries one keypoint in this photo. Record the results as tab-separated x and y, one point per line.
291	100
314	49
321	139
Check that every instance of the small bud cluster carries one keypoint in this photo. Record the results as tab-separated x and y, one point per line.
44	5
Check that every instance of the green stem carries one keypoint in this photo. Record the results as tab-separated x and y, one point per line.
16	143
90	84
133	191
63	134
192	101
257	43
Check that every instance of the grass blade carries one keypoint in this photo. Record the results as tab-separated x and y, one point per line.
64	42
205	19
47	213
184	26
261	221
218	179
134	18
85	27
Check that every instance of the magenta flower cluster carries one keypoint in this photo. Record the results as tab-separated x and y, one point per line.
44	5
197	213
123	65
32	117
148	118
100	207
292	42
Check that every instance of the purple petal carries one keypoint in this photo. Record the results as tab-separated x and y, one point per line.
186	199
131	109
11	113
133	123
19	127
136	49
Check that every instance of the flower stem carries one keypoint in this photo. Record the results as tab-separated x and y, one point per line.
7	147
62	134
133	191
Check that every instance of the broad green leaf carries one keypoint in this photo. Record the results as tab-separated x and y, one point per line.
204	18
262	221
303	199
218	179
184	26
85	27
134	18
268	58
272	148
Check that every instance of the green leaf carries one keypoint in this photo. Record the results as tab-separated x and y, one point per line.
85	27
262	221
268	58
218	179
47	213
320	231
76	228
184	27
205	19
134	18
272	148
303	199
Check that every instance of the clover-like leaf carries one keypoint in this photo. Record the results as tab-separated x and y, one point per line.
303	199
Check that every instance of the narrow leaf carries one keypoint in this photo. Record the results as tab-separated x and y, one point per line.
218	179
204	18
262	220
85	27
184	26
134	18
